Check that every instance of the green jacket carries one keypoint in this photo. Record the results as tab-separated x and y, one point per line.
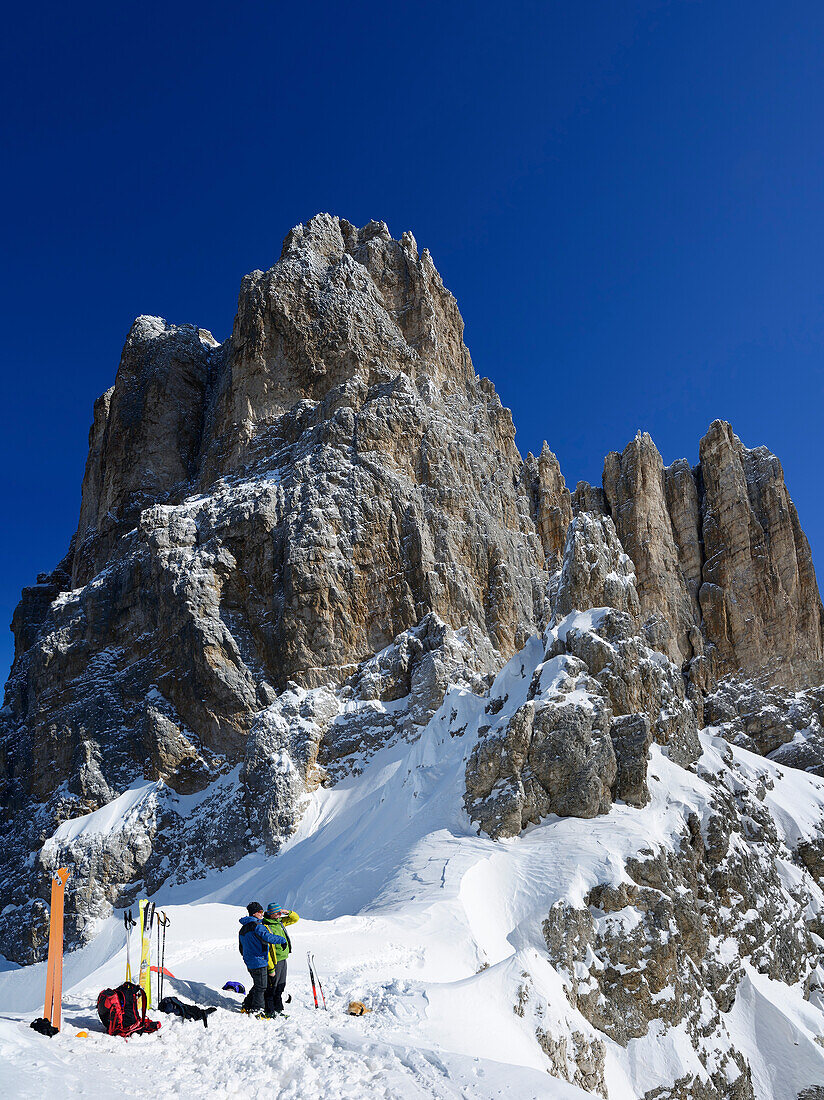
278	951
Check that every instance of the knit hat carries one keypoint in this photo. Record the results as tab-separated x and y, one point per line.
272	909
254	907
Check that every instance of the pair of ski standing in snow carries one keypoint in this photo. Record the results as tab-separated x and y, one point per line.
265	946
147	916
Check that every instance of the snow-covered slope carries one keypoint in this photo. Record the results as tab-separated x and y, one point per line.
444	934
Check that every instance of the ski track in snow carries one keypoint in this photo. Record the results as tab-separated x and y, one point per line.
432	926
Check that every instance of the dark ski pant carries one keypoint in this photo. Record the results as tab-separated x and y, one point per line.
275	988
256	997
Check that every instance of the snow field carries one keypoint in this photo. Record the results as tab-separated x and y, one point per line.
436	929
415	1043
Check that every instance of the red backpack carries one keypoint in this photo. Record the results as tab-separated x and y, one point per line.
123	1011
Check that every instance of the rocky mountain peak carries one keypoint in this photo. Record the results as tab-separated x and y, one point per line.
262	517
720	556
146	436
292	543
759	595
635	492
552	502
343	310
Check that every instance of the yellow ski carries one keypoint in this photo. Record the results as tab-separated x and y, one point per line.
146	913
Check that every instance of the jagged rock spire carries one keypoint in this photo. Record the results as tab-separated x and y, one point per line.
720	555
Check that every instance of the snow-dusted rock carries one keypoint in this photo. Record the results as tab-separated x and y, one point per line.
146	436
554	755
672	940
637	678
596	571
271	511
553	504
295	545
631	740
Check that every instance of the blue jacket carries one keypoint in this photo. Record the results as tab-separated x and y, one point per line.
254	939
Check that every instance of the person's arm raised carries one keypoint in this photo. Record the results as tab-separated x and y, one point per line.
269	937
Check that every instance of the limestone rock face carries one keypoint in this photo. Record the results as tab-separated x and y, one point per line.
635	490
722	564
553	504
758	596
596	701
292	544
554	755
596	572
262	517
146	436
589	498
344	311
347	346
670	944
631	740
684	489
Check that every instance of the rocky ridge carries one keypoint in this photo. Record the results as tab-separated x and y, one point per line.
291	545
720	556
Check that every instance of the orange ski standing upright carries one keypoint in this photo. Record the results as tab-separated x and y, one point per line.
54	967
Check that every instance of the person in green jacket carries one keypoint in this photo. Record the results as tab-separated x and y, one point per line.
276	918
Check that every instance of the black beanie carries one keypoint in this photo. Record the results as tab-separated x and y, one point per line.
254	907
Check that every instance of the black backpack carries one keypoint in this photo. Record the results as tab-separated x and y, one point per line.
123	1011
187	1011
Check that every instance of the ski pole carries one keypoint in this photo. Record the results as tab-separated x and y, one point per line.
312	978
320	987
129	922
162	922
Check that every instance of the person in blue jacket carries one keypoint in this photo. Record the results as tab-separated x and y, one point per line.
254	940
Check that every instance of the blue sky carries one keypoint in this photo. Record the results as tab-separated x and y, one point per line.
625	198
